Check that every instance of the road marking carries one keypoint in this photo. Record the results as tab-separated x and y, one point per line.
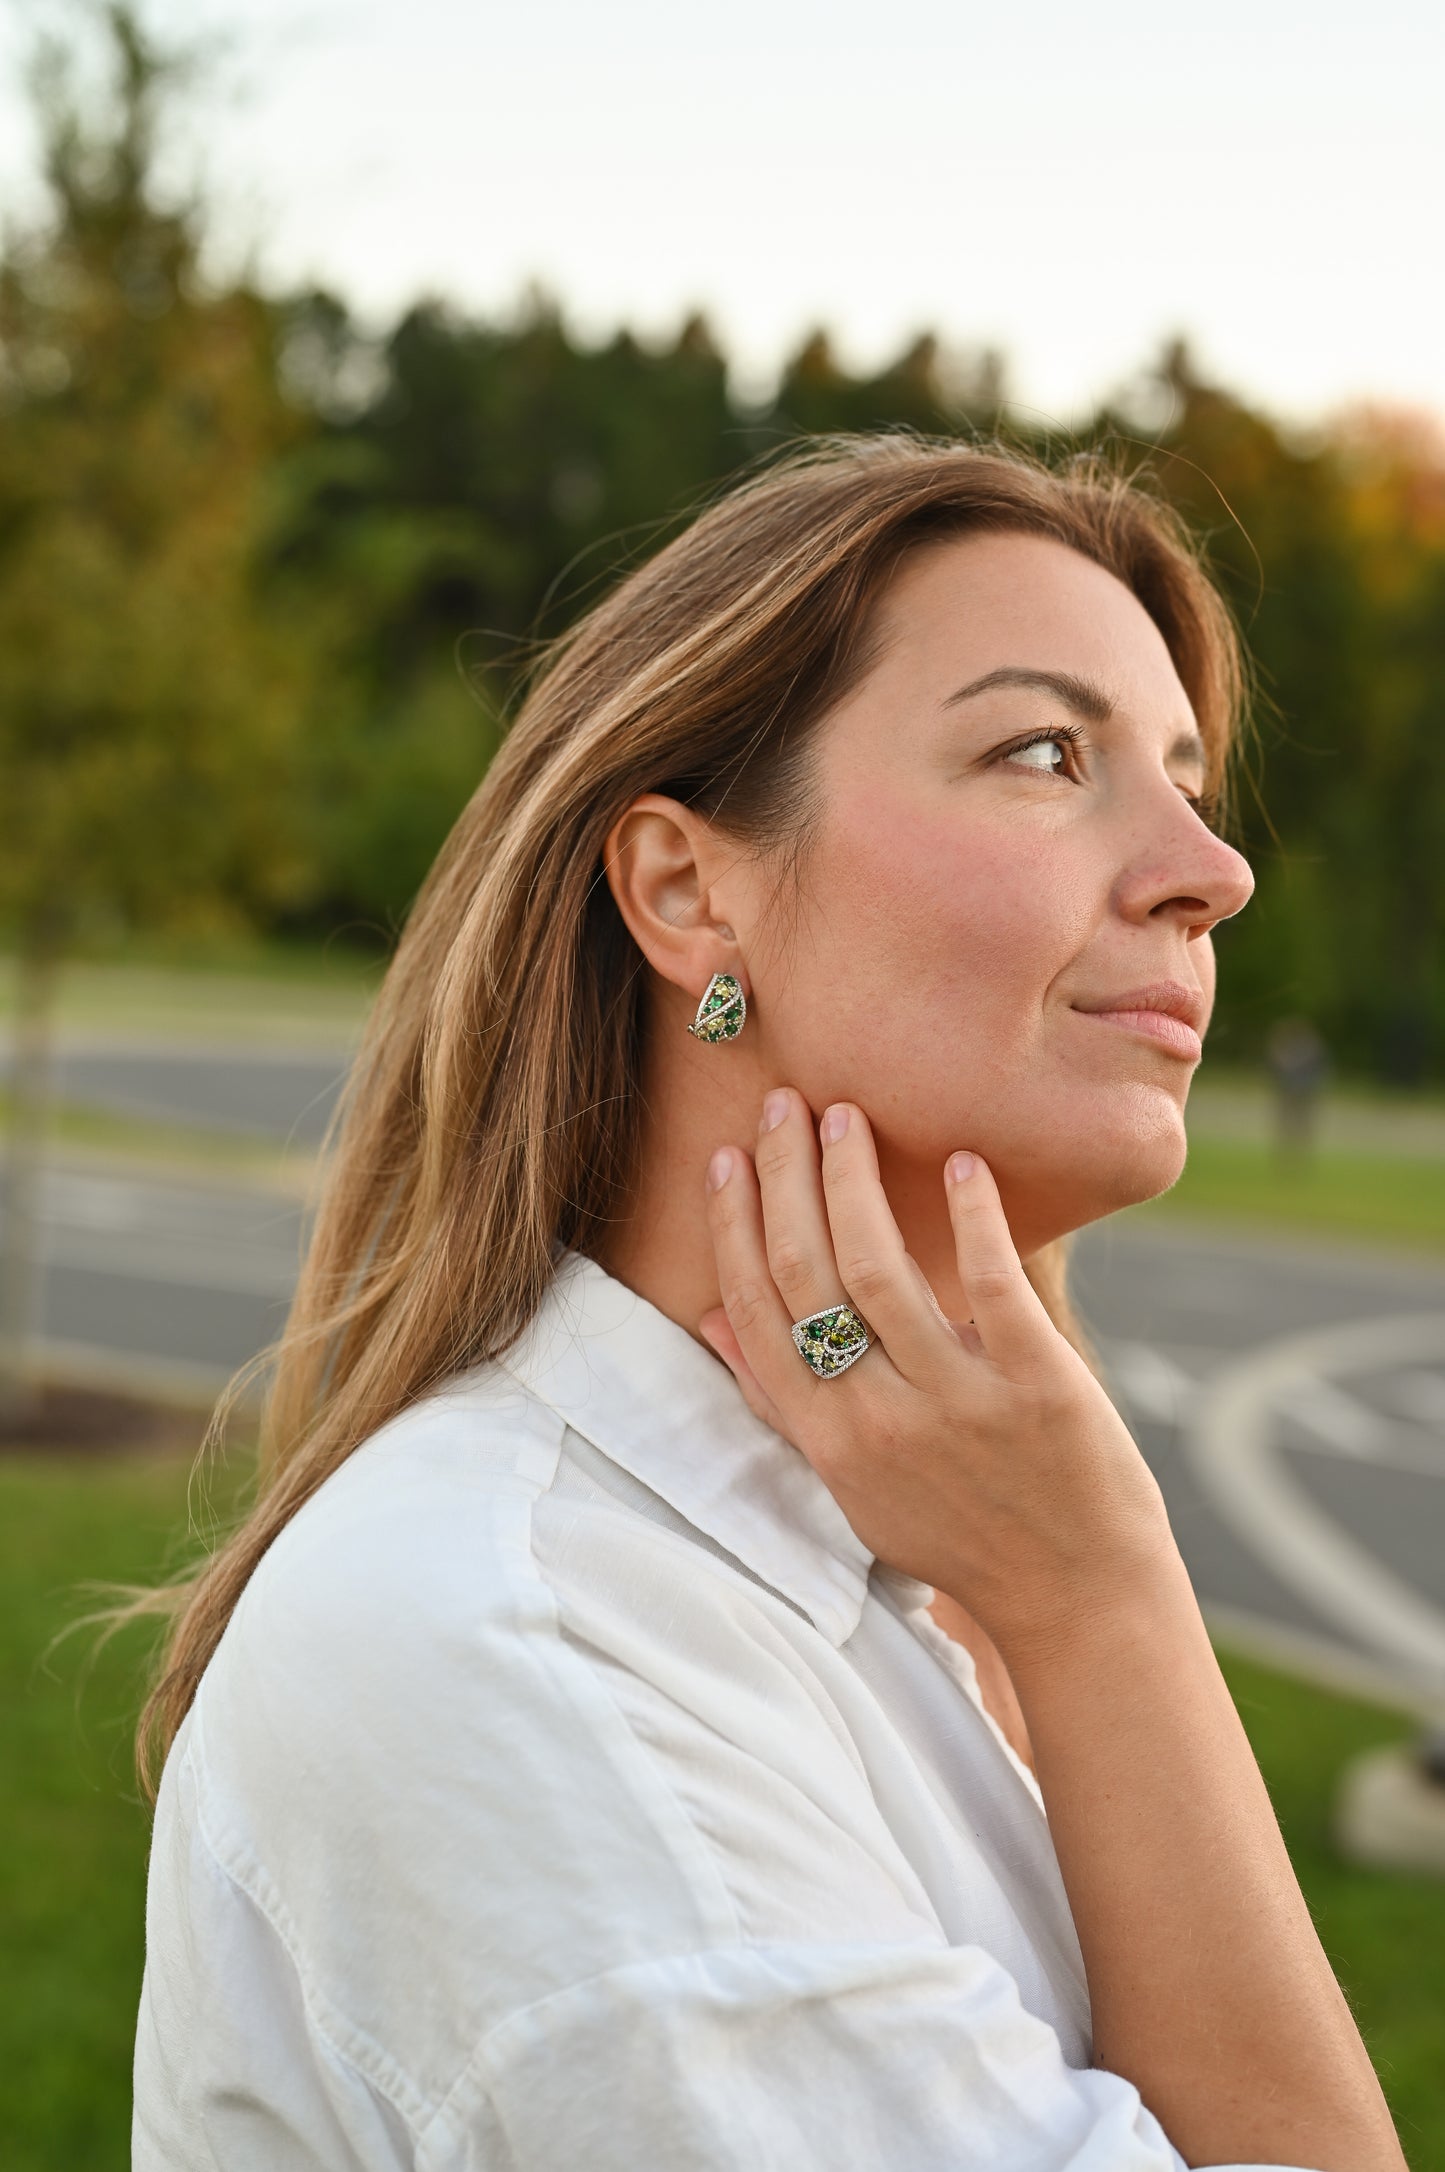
1340	1421
1419	1396
1150	1382
1228	1439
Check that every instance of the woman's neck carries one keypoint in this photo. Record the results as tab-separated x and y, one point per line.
696	1099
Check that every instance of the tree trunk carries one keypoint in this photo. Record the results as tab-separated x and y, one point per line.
37	963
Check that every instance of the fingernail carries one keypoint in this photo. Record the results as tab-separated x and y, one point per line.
961	1167
775	1108
835	1123
719	1169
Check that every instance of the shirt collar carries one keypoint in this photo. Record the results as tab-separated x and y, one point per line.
641	1389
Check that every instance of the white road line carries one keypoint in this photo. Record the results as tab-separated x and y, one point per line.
1408	1435
1151	1383
1419	1396
1340	1421
1228	1439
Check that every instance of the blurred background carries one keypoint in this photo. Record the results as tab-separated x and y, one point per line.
346	349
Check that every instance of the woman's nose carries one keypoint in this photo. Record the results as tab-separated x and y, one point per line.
1181	868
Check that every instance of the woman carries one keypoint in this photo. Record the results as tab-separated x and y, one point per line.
708	1680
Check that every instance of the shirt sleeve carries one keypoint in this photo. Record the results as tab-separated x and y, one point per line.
235	2067
803	2059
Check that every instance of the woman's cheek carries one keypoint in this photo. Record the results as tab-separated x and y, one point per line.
933	944
972	919
943	961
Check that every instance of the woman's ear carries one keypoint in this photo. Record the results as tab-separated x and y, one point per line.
663	866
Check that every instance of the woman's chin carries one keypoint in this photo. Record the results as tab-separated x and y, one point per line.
1148	1176
1147	1156
1098	1176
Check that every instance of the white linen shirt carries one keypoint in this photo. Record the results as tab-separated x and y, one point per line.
570	1788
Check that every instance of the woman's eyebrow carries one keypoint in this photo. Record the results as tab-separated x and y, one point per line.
1085	696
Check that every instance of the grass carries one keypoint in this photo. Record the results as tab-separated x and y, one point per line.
1384	1931
74	1831
1358	1194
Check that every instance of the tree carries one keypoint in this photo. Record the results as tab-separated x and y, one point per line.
149	709
467	488
923	389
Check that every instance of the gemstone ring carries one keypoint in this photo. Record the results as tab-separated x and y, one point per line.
832	1340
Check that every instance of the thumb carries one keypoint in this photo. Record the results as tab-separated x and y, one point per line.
716	1331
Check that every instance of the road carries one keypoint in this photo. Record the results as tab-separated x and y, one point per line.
283	1094
1289	1396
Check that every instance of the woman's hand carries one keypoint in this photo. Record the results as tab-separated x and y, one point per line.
982	1457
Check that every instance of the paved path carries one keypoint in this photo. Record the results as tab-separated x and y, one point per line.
280	1093
166	1287
1291	1399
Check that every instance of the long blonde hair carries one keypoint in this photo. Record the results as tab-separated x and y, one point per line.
492	1114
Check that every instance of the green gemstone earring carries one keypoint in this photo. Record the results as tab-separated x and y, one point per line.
722	1010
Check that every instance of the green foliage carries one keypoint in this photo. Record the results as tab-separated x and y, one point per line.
921	390
388	789
147	708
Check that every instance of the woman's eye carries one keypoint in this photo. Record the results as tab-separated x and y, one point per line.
1039	754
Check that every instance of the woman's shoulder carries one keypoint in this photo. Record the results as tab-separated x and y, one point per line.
398	1762
422	1518
403	1580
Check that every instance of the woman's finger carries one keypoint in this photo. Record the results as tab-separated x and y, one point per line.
885	1284
1008	1315
795	1219
759	1319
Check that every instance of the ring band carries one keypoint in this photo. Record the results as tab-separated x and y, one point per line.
830	1341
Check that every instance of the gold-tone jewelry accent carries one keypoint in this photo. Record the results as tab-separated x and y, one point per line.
832	1340
722	1010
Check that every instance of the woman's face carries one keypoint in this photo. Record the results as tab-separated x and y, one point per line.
967	902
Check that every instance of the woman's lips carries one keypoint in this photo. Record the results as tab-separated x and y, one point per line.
1159	1026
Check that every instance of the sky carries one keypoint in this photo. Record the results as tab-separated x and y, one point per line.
1072	184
